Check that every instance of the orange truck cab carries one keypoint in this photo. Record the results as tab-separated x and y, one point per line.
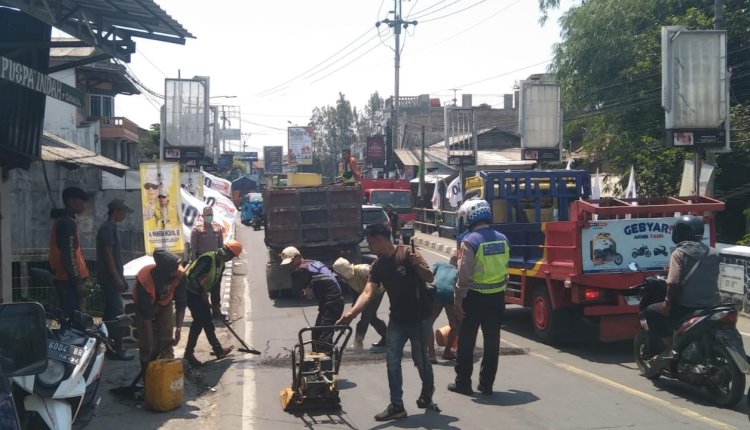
396	192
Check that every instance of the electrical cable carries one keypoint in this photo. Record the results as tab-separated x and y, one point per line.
456	12
420	13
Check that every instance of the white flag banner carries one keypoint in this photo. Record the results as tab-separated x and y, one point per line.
224	210
455	194
436	196
596	187
192	216
569	166
216	183
631	191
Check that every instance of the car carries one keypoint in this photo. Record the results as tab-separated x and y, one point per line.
372	214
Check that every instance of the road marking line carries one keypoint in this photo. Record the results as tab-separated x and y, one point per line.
745	334
248	379
616	385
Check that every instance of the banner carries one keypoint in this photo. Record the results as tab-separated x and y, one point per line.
216	183
300	146
375	152
192	216
160	197
272	160
611	245
223	206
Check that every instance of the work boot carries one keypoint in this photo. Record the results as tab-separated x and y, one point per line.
392	412
192	361
223	352
217	314
461	389
379	344
358	344
487	391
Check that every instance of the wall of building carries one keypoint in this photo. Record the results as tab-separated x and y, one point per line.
61	118
5	242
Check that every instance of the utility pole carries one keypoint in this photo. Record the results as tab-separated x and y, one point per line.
421	192
396	24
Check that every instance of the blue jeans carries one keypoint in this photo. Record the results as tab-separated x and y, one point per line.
418	333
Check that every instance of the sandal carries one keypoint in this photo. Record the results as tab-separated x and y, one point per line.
448	356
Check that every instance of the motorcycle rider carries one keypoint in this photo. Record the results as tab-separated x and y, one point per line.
692	281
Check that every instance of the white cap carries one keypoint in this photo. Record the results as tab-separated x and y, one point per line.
288	255
343	268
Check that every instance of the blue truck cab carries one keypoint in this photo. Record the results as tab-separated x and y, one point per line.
252	203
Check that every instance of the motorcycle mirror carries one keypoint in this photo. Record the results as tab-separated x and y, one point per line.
633	266
23	339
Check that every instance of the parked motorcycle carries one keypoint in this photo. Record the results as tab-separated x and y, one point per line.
706	349
67	391
256	223
643	250
606	253
661	250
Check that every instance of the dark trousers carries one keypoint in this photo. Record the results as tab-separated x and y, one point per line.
202	321
216	294
67	297
485	311
328	314
113	308
660	326
370	317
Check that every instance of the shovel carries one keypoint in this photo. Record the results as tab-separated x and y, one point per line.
245	348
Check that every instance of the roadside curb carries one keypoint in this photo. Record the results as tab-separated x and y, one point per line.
436	246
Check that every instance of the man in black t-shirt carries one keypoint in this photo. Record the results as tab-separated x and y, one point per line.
403	273
109	274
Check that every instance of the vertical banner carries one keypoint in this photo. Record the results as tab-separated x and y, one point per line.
216	183
273	160
192	213
160	197
300	146
375	152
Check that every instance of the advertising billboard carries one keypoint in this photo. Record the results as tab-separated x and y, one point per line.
273	159
160	197
300	146
375	151
186	106
540	120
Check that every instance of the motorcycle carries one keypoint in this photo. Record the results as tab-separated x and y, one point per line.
67	391
605	253
643	250
257	222
705	350
661	250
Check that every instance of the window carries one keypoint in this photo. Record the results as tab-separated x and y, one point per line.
101	105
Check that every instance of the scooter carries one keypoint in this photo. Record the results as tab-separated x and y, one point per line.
67	391
643	250
661	250
705	350
256	223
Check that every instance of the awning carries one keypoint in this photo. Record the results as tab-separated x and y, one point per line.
67	153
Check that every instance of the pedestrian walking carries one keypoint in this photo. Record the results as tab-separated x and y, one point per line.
69	270
203	275
316	281
207	237
403	273
445	281
356	275
160	299
479	299
110	277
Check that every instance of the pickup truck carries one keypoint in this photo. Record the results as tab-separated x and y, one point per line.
323	222
396	192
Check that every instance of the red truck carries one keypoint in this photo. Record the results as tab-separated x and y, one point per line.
572	258
396	192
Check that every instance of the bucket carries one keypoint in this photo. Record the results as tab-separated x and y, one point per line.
441	335
164	384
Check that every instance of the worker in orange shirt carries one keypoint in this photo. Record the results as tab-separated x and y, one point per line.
350	169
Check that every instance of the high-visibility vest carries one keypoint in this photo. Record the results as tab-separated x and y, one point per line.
145	278
207	280
55	258
492	257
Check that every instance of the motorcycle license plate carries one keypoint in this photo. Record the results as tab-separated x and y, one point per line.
632	300
64	352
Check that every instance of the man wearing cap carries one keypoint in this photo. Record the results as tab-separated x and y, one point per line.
204	274
109	274
66	261
156	287
208	237
317	281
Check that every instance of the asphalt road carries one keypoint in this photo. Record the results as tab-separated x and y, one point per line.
584	384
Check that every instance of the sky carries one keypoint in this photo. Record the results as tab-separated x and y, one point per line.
280	59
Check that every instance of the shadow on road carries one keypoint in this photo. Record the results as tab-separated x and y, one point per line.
426	420
506	398
313	419
696	395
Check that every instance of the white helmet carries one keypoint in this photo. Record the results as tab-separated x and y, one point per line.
473	211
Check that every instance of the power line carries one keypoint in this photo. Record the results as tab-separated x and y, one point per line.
436	10
308	76
499	75
456	12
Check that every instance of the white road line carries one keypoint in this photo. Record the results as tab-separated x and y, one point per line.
248	378
624	388
745	334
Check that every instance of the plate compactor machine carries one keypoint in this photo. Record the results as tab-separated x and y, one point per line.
315	369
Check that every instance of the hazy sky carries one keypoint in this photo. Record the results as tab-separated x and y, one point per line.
248	48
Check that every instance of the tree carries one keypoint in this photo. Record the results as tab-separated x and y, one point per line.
334	129
148	146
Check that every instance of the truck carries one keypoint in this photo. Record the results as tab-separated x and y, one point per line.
396	192
574	258
323	222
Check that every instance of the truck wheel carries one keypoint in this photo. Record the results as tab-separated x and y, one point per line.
549	323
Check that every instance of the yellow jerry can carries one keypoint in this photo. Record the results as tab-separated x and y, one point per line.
164	384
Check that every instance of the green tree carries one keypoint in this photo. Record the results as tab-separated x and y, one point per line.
334	129
148	146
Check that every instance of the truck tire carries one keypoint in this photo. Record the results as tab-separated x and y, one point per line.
550	325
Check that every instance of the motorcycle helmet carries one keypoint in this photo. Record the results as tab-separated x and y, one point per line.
687	227
473	211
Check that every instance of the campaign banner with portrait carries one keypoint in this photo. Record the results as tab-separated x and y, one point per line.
160	202
300	146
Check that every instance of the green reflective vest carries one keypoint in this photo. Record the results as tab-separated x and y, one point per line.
203	282
491	268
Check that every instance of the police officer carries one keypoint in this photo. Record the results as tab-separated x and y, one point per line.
692	282
204	275
479	297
